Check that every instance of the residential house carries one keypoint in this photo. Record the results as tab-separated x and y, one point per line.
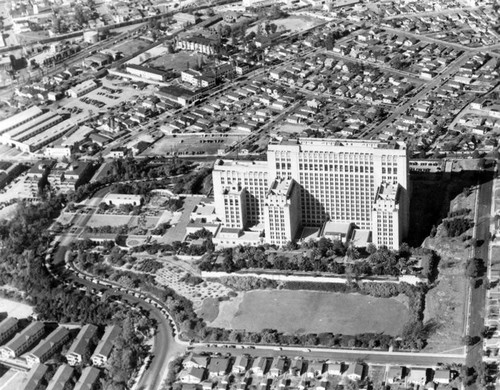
48	346
355	371
417	376
259	365
395	374
334	369
323	385
240	364
315	369
296	366
193	375
77	351
278	366
218	366
442	377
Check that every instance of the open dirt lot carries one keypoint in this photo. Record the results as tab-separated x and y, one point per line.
312	311
15	309
178	61
188	144
294	23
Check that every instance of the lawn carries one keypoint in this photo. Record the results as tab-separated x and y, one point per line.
108	220
300	312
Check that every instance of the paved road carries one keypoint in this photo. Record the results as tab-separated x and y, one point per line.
478	295
379	357
165	346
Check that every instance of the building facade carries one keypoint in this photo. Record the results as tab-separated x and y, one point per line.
23	341
251	175
282	212
344	181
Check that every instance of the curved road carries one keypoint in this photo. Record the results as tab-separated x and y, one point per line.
165	347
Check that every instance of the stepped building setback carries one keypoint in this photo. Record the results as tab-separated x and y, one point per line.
309	182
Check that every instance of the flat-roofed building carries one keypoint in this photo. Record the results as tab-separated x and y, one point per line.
65	177
19	119
338	180
81	89
36	126
105	346
36	122
62	378
47	347
282	212
123	199
23	341
8	327
148	73
88	379
35	379
251	175
388	216
77	351
58	152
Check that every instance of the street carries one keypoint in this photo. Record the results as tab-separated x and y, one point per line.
478	295
379	357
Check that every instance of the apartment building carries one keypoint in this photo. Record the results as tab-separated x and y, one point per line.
47	347
23	341
338	180
75	354
62	378
282	211
8	327
35	379
105	346
88	379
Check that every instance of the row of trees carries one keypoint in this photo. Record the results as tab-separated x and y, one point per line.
323	256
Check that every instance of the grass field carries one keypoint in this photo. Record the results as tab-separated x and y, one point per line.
299	312
108	220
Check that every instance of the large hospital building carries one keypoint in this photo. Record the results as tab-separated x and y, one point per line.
309	182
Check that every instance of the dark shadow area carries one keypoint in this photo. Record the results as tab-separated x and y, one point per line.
431	194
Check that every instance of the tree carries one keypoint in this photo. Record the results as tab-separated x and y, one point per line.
475	268
371	248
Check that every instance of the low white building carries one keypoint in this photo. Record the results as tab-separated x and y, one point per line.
122	199
81	89
58	152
